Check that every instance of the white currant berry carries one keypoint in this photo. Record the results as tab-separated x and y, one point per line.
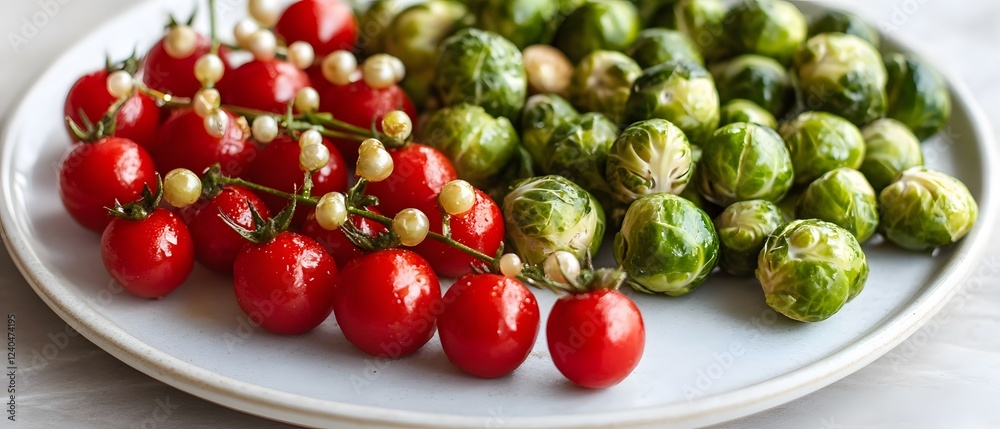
306	100
180	41
411	226
243	30
310	138
374	163
397	124
216	123
457	197
206	101
120	84
379	72
263	45
301	54
181	187
548	69
209	69
313	157
510	265
265	129
339	67
370	145
562	267
266	12
331	211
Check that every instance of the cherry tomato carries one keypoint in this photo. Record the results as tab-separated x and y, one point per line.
150	257
285	285
216	245
327	25
138	120
278	167
480	228
387	302
264	85
488	325
361	105
92	176
335	243
595	338
184	143
419	172
175	76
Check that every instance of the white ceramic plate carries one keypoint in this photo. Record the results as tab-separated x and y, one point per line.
714	355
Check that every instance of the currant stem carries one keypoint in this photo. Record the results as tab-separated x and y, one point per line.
211	19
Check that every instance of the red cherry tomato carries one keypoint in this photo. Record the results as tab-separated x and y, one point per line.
184	143
286	285
92	176
216	245
488	325
595	338
387	302
419	172
264	85
175	76
150	257
327	25
138	120
335	243
361	105
278	167
480	228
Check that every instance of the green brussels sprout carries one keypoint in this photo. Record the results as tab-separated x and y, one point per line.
550	213
820	142
740	110
924	209
702	21
772	28
650	157
542	114
844	75
482	68
743	227
610	25
656	46
679	91
838	21
523	22
666	245
656	13
890	148
810	268
579	150
918	95
761	80
842	197
742	162
375	22
602	83
478	144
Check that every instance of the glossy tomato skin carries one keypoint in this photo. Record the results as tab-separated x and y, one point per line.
285	285
480	228
264	85
184	143
387	302
277	167
361	105
138	120
419	172
335	242
596	338
150	257
175	76
92	176
489	324
327	25
216	245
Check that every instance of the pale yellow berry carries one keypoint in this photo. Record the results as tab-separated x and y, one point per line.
181	187
306	100
339	67
331	211
397	124
266	12
370	145
216	123
120	84
243	30
562	267
374	163
313	157
209	69
310	138
411	226
263	45
265	129
457	197
379	73
206	101
548	69
180	42
301	54
510	265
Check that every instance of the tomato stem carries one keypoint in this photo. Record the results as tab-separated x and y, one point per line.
214	50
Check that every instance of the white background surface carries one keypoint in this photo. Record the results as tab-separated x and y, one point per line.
947	375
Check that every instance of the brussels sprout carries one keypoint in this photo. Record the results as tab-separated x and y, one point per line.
650	157
656	46
602	82
838	21
772	28
656	13
842	197
759	79
740	110
918	95
743	227
542	114
375	22
844	75
550	213
702	21
810	268
742	162
482	68
890	148
666	245
820	142
579	150
478	145
598	24
923	209
679	91
523	22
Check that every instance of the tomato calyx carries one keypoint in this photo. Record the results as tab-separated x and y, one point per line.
588	280
172	21
141	208
264	231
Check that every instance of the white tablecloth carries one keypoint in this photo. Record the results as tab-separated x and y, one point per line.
946	375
